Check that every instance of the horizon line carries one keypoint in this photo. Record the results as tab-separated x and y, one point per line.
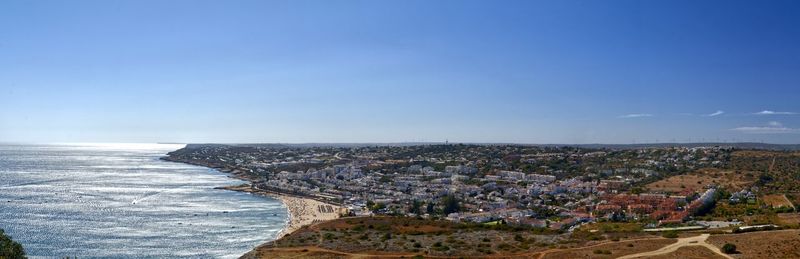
389	143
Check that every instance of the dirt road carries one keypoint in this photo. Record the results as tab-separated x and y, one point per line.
689	241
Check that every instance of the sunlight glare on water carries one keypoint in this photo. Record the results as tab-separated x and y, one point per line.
122	201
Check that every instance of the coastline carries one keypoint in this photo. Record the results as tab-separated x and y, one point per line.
302	211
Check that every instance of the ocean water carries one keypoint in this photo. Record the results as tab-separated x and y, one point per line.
121	201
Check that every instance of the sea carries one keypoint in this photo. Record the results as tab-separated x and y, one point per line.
122	201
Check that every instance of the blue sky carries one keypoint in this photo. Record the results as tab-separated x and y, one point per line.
395	71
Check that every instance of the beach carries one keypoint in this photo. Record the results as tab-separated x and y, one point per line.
302	211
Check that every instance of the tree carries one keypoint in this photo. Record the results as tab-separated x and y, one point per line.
450	204
9	248
416	207
430	208
764	178
729	248
377	206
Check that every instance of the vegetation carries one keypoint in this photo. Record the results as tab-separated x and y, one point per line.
450	204
777	172
764	183
9	248
671	234
418	235
602	252
729	248
416	207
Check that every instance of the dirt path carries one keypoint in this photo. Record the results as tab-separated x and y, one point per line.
544	253
689	241
789	202
771	165
537	254
305	249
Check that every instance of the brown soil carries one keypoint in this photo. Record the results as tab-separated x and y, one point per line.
776	200
690	252
617	249
765	244
789	218
701	178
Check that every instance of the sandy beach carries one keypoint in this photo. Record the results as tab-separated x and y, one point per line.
302	211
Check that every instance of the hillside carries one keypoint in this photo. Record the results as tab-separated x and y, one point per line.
404	237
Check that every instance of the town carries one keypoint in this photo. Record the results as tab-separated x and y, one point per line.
540	186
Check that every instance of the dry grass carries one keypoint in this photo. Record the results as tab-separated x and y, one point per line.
294	253
789	218
402	236
690	252
781	168
776	200
617	249
699	179
765	244
763	154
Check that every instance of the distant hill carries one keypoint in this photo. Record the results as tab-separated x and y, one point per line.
740	145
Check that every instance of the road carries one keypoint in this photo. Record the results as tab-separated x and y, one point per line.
689	241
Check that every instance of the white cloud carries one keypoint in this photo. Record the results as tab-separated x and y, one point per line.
635	115
773	127
717	113
775	124
768	112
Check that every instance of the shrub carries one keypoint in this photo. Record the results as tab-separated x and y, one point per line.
671	234
729	248
358	228
601	252
9	248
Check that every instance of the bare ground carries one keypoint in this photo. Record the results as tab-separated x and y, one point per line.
765	244
690	252
699	179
